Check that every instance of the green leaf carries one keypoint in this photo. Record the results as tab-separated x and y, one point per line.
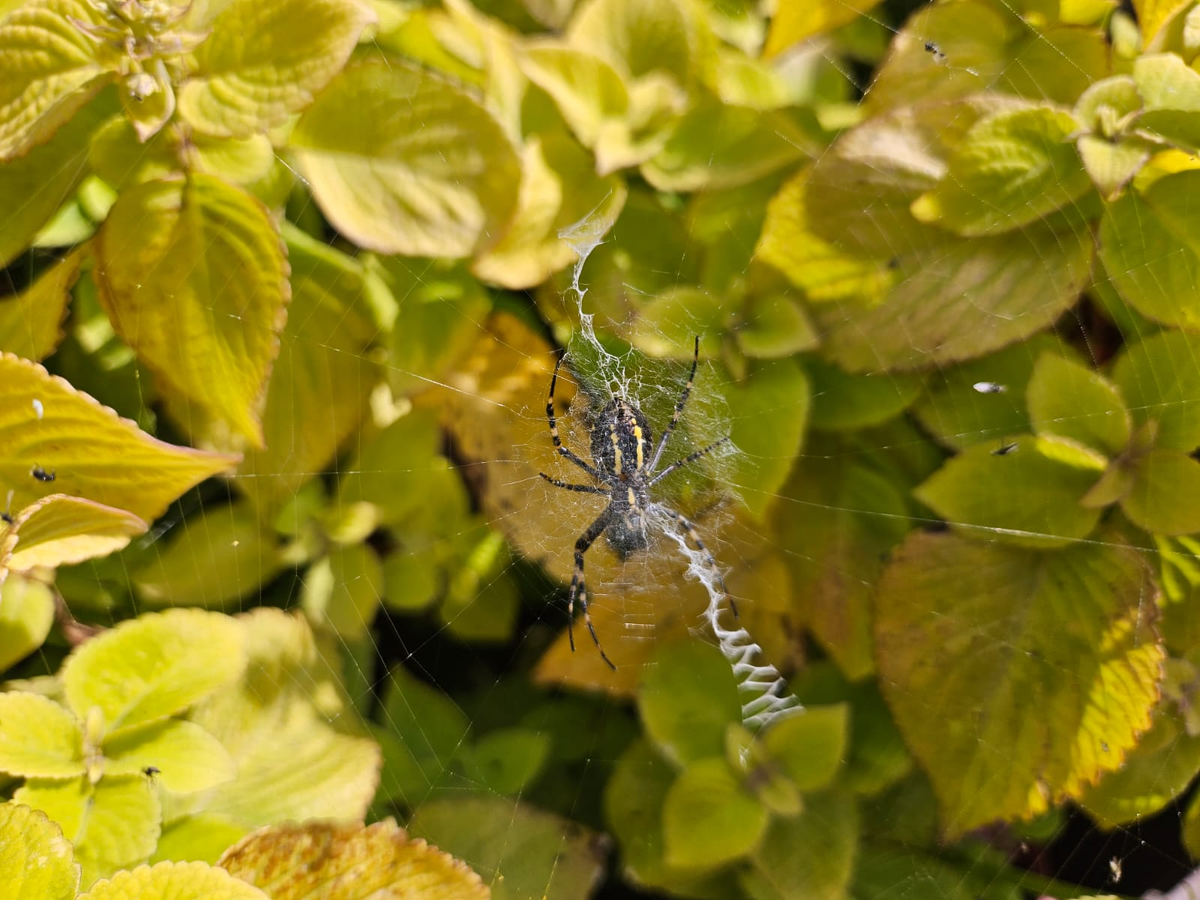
35	859
1071	401
403	162
768	442
51	70
1011	169
843	402
990	291
639	37
716	146
519	850
349	861
846	517
1165	496
428	731
687	699
1029	495
794	22
1170	93
1150	247
26	614
342	591
201	837
1160	381
212	559
187	758
263	61
810	857
970	638
215	251
38	738
810	744
31	322
113	824
507	760
1179	603
153	666
174	881
774	325
708	819
39	182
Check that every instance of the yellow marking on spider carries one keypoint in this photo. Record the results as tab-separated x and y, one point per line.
637	434
612	430
632	499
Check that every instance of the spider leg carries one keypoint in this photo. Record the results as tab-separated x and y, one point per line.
686	526
579	586
582	488
683	398
687	460
558	444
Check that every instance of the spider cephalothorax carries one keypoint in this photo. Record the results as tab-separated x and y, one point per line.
625	468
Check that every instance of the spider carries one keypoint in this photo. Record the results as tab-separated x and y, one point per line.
625	470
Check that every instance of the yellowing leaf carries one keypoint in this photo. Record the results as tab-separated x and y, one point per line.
265	59
1160	382
153	666
50	70
174	881
38	738
640	37
193	276
46	424
404	162
26	614
35	859
31	322
349	861
1165	496
181	755
60	530
1072	401
970	637
113	824
36	184
795	20
1154	14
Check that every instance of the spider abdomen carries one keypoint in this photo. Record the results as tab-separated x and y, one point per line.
626	532
622	444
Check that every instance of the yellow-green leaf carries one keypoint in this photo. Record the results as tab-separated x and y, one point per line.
26	614
1165	495
174	881
200	837
343	590
36	184
113	824
970	638
349	861
1072	401
1011	169
181	755
35	859
211	559
31	322
153	666
796	20
50	68
1160	381
59	530
1154	14
193	275
93	454
402	161
708	818
1028	495
38	738
809	857
265	59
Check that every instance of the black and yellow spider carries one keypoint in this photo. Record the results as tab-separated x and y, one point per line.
625	470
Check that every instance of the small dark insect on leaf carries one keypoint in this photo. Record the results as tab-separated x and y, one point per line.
42	475
6	518
1004	450
151	771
